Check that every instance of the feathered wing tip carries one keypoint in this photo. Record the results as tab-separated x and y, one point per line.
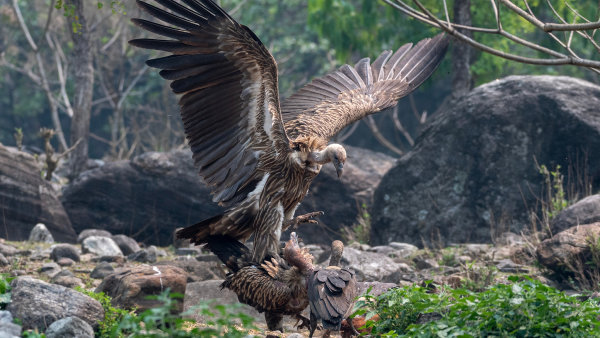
416	65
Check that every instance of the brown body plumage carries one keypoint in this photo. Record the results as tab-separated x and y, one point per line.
276	286
331	292
257	165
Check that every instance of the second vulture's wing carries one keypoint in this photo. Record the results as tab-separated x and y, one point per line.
330	103
331	294
228	82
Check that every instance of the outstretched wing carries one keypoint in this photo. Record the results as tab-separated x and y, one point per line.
330	103
331	294
228	81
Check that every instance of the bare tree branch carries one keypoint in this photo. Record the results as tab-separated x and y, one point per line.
379	136
425	15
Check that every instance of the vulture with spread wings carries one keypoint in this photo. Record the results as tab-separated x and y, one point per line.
258	157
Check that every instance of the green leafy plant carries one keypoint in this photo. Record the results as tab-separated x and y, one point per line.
112	315
524	307
5	290
556	200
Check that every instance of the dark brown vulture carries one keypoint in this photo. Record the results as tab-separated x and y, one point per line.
331	293
275	286
257	166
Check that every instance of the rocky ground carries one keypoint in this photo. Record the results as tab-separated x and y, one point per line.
48	273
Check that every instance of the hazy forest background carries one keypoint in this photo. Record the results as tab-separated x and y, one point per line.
56	74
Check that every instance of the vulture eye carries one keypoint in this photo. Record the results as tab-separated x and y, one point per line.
296	147
307	163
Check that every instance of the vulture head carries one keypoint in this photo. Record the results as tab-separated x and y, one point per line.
312	152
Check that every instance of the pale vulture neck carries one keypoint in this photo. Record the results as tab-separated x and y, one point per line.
326	155
337	249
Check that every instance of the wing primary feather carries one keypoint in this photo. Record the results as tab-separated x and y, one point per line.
182	10
163	30
167	17
377	66
351	73
164	45
174	62
394	59
363	68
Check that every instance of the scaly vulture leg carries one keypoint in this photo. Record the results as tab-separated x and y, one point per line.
304	322
274	321
306	218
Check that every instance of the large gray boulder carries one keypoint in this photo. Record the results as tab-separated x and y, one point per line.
38	304
146	198
585	211
474	167
26	199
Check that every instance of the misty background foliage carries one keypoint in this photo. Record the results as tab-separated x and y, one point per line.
133	110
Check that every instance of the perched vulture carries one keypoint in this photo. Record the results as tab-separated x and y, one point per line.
331	293
276	286
259	158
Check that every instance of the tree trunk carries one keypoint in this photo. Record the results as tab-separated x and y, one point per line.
82	64
462	82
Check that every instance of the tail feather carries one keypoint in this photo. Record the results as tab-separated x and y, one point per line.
199	232
230	251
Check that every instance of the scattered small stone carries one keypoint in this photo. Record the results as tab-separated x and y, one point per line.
187	251
207	258
65	261
10	330
8	250
464	259
359	246
507	265
50	269
127	244
509	238
40	233
64	251
109	259
403	249
18	272
143	256
101	246
382	249
66	279
157	251
38	254
3	260
197	271
180	242
70	327
368	266
476	250
38	304
5	317
427	263
130	287
92	232
102	270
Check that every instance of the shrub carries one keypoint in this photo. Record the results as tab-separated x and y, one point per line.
523	308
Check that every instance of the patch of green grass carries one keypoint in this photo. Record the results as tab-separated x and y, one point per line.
522	308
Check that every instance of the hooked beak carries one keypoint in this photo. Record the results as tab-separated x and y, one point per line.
339	169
